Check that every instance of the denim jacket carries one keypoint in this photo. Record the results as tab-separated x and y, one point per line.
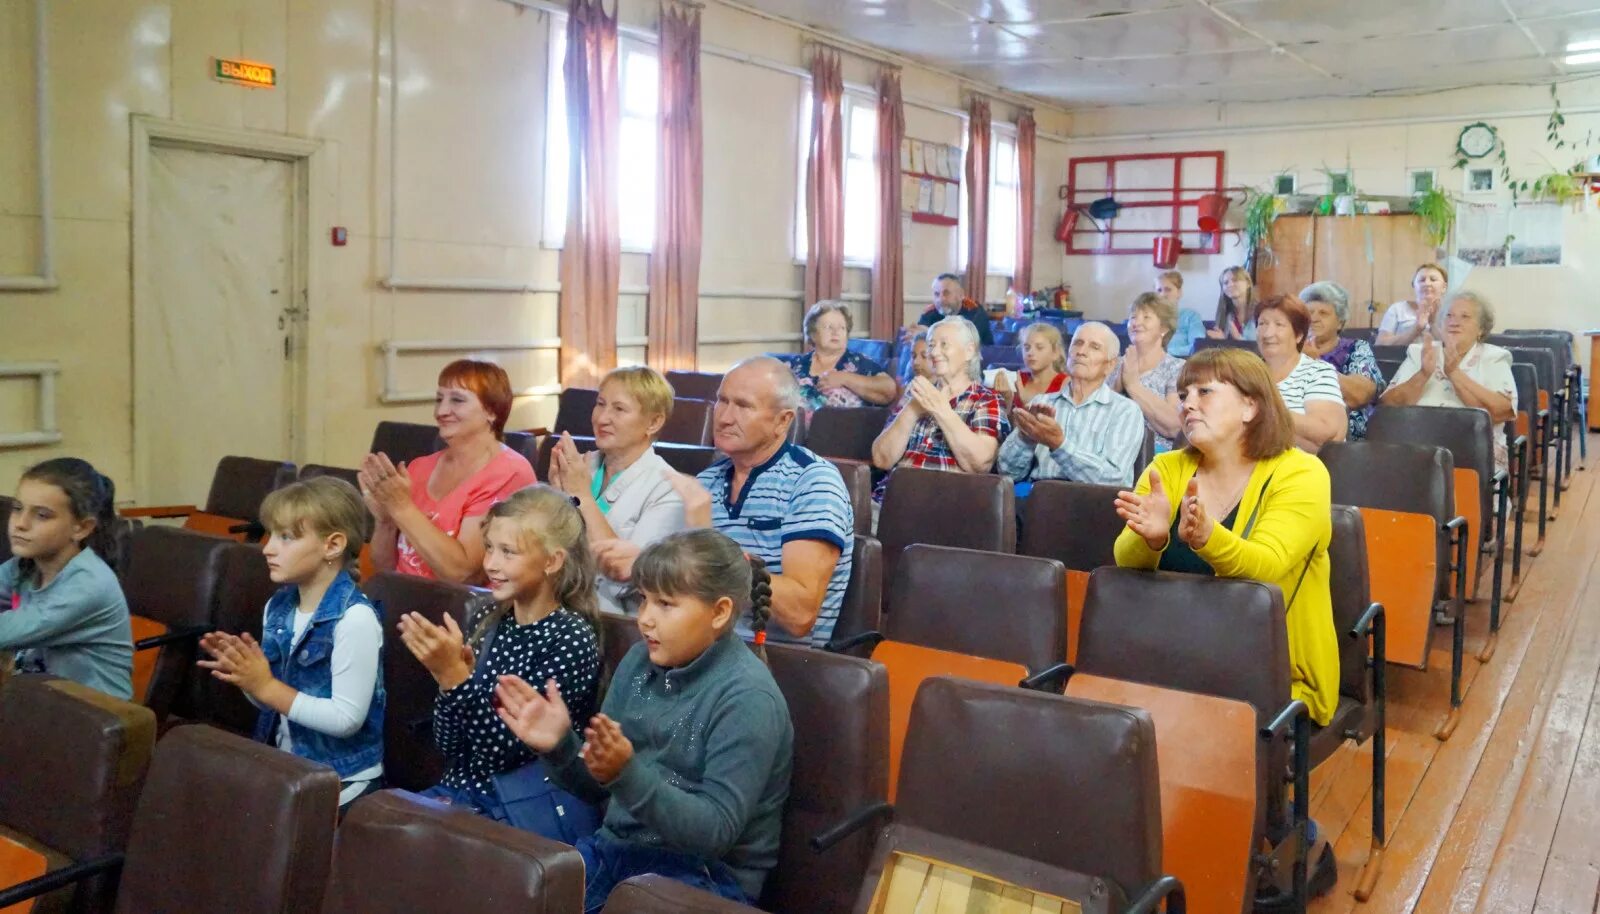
308	667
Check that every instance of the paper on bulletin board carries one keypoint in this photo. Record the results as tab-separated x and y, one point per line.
952	204
1521	234
937	203
905	155
909	188
924	196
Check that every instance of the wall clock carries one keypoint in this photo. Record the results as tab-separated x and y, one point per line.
1477	140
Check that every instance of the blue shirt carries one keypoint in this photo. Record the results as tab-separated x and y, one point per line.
1101	444
1191	327
76	627
795	495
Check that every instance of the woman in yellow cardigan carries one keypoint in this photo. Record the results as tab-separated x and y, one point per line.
1242	502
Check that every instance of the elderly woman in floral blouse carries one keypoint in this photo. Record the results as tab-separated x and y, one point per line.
829	373
1359	378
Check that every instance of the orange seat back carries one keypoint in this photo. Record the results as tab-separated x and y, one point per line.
1077	589
1469	506
18	864
144	662
1206	753
366	568
1403	563
1524	424
909	665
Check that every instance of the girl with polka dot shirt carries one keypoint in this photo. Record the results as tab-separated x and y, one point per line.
539	621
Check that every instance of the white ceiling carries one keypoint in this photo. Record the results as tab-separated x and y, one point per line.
1085	53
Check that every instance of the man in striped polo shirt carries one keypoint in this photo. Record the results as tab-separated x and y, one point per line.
778	501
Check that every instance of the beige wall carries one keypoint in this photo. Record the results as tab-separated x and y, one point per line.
467	206
1381	139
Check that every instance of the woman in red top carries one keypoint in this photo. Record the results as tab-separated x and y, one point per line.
1045	356
430	514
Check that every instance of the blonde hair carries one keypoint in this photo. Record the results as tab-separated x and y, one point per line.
321	505
1225	304
645	385
548	517
1172	276
1165	313
1051	333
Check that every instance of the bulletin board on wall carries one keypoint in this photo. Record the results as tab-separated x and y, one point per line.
1157	194
931	173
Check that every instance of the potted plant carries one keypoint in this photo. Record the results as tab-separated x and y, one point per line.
1260	209
1438	212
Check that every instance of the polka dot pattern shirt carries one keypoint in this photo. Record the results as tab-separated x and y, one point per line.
561	646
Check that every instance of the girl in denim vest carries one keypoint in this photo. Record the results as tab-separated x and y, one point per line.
315	674
540	621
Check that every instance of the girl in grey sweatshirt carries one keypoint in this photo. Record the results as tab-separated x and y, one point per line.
693	745
61	609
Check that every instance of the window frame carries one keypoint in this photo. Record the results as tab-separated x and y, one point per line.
851	100
554	228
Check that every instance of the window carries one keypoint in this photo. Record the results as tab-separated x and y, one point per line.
1004	191
636	145
1340	182
860	118
1004	194
1284	184
1422	180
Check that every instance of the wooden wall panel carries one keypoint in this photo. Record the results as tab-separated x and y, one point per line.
1291	265
1310	248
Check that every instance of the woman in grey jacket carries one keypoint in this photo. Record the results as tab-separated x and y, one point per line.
61	608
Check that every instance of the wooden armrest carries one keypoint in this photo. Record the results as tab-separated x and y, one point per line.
161	511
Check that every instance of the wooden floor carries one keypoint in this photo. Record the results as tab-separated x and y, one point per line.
1504	817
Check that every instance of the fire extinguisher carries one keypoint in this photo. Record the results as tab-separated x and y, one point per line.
1069	221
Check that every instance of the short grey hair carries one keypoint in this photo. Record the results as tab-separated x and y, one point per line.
1112	341
969	333
1485	311
815	313
785	387
1330	293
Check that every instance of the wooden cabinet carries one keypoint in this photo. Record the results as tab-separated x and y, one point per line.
1373	257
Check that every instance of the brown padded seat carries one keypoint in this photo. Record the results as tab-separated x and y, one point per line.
1355	715
227	824
690	422
1409	477
1468	434
1216	636
243	590
410	760
618	635
659	895
575	411
971	511
5	521
73	762
1068	783
314	470
241	483
1076	524
173	577
840	709
397	853
846	432
858	483
861	610
697	385
1003	607
405	440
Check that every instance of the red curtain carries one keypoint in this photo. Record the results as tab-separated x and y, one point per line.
977	174
888	266
592	255
1027	137
675	260
825	180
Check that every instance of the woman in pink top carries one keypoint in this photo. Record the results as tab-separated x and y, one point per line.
430	514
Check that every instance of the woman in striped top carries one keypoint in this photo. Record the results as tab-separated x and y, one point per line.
1310	388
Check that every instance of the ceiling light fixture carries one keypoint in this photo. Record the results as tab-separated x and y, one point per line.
1589	45
1574	60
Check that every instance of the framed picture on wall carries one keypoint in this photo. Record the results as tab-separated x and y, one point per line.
1480	181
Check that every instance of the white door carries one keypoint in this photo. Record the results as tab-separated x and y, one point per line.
214	343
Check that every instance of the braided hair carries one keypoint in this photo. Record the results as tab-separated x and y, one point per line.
90	495
707	565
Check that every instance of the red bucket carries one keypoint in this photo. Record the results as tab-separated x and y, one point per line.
1166	252
1069	221
1212	207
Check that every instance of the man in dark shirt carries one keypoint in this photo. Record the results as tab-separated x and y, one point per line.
948	299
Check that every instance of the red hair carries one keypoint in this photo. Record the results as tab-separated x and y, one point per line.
1298	315
488	382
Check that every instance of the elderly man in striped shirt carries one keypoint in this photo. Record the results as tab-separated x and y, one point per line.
1085	432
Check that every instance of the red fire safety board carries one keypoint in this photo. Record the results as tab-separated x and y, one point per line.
1158	195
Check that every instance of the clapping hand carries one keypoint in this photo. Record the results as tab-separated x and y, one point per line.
237	660
540	721
569	472
696	498
1194	524
384	485
605	750
1453	354
1038	425
927	398
615	558
1430	356
1148	515
441	649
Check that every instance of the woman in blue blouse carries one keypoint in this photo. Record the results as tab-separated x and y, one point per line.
1359	378
829	373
